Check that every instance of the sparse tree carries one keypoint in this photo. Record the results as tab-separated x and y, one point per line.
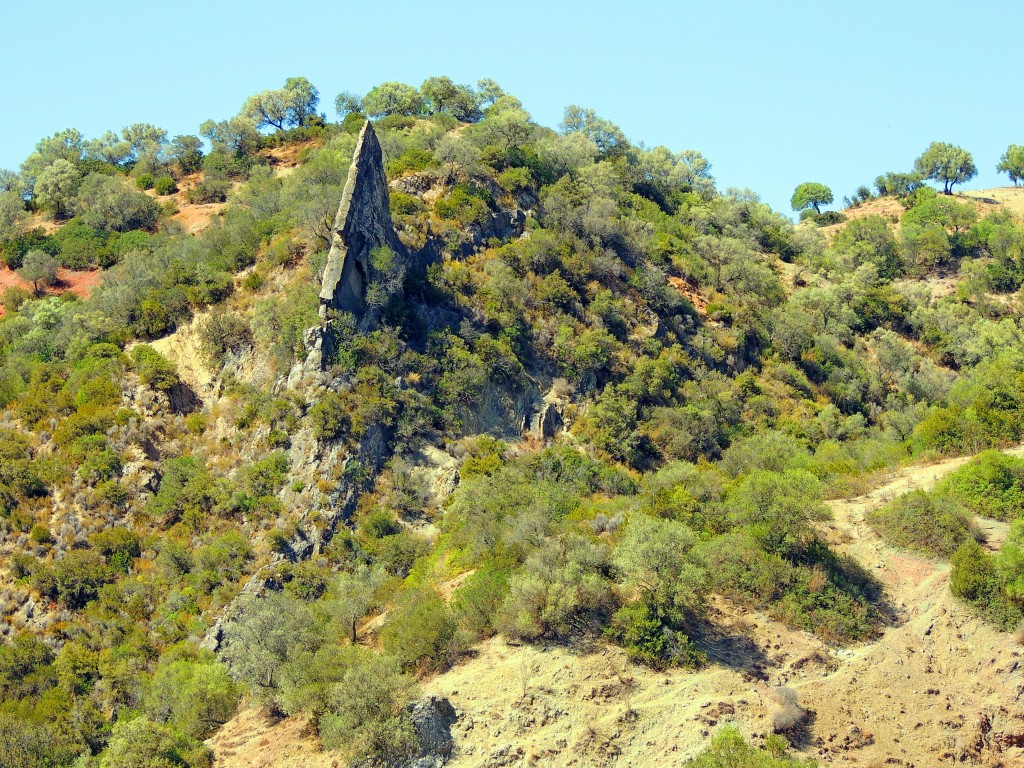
442	96
108	148
107	202
1012	163
811	194
56	185
607	136
38	268
488	92
12	213
947	163
304	97
63	145
392	98
187	152
654	556
346	102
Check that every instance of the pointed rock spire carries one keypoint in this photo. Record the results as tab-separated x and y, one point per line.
362	225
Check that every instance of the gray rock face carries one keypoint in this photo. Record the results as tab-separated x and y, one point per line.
547	422
433	718
362	225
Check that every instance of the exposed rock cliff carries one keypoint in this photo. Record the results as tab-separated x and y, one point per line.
362	226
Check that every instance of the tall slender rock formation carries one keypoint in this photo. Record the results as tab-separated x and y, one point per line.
362	225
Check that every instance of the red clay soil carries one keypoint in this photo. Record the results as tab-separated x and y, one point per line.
80	283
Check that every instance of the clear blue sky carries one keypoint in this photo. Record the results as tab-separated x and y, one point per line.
773	94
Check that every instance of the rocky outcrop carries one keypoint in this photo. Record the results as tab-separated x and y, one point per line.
432	718
362	225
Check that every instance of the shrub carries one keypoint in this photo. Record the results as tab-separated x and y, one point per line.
421	632
142	742
211	191
13	251
74	580
165	185
924	522
466	204
990	485
477	601
105	202
40	534
224	332
145	181
729	750
328	417
83	245
366	712
648	641
154	369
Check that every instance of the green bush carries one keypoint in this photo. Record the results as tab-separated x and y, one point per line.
924	522
82	245
145	181
74	580
328	416
647	640
154	369
466	204
990	485
13	251
211	191
165	185
728	749
477	601
421	632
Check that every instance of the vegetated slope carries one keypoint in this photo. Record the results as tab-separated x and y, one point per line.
591	411
938	687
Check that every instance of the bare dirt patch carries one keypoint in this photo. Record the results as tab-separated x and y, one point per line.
81	283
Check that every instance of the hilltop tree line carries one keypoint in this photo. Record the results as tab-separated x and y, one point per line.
945	163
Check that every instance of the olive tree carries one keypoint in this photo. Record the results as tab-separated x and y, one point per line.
655	559
39	269
392	98
810	194
947	163
12	213
1012	163
106	202
352	596
55	187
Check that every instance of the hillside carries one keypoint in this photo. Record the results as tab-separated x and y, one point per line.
939	686
437	436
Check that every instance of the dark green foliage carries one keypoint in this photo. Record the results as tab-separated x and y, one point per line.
165	185
74	580
154	369
83	246
647	640
13	251
925	522
991	485
328	417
